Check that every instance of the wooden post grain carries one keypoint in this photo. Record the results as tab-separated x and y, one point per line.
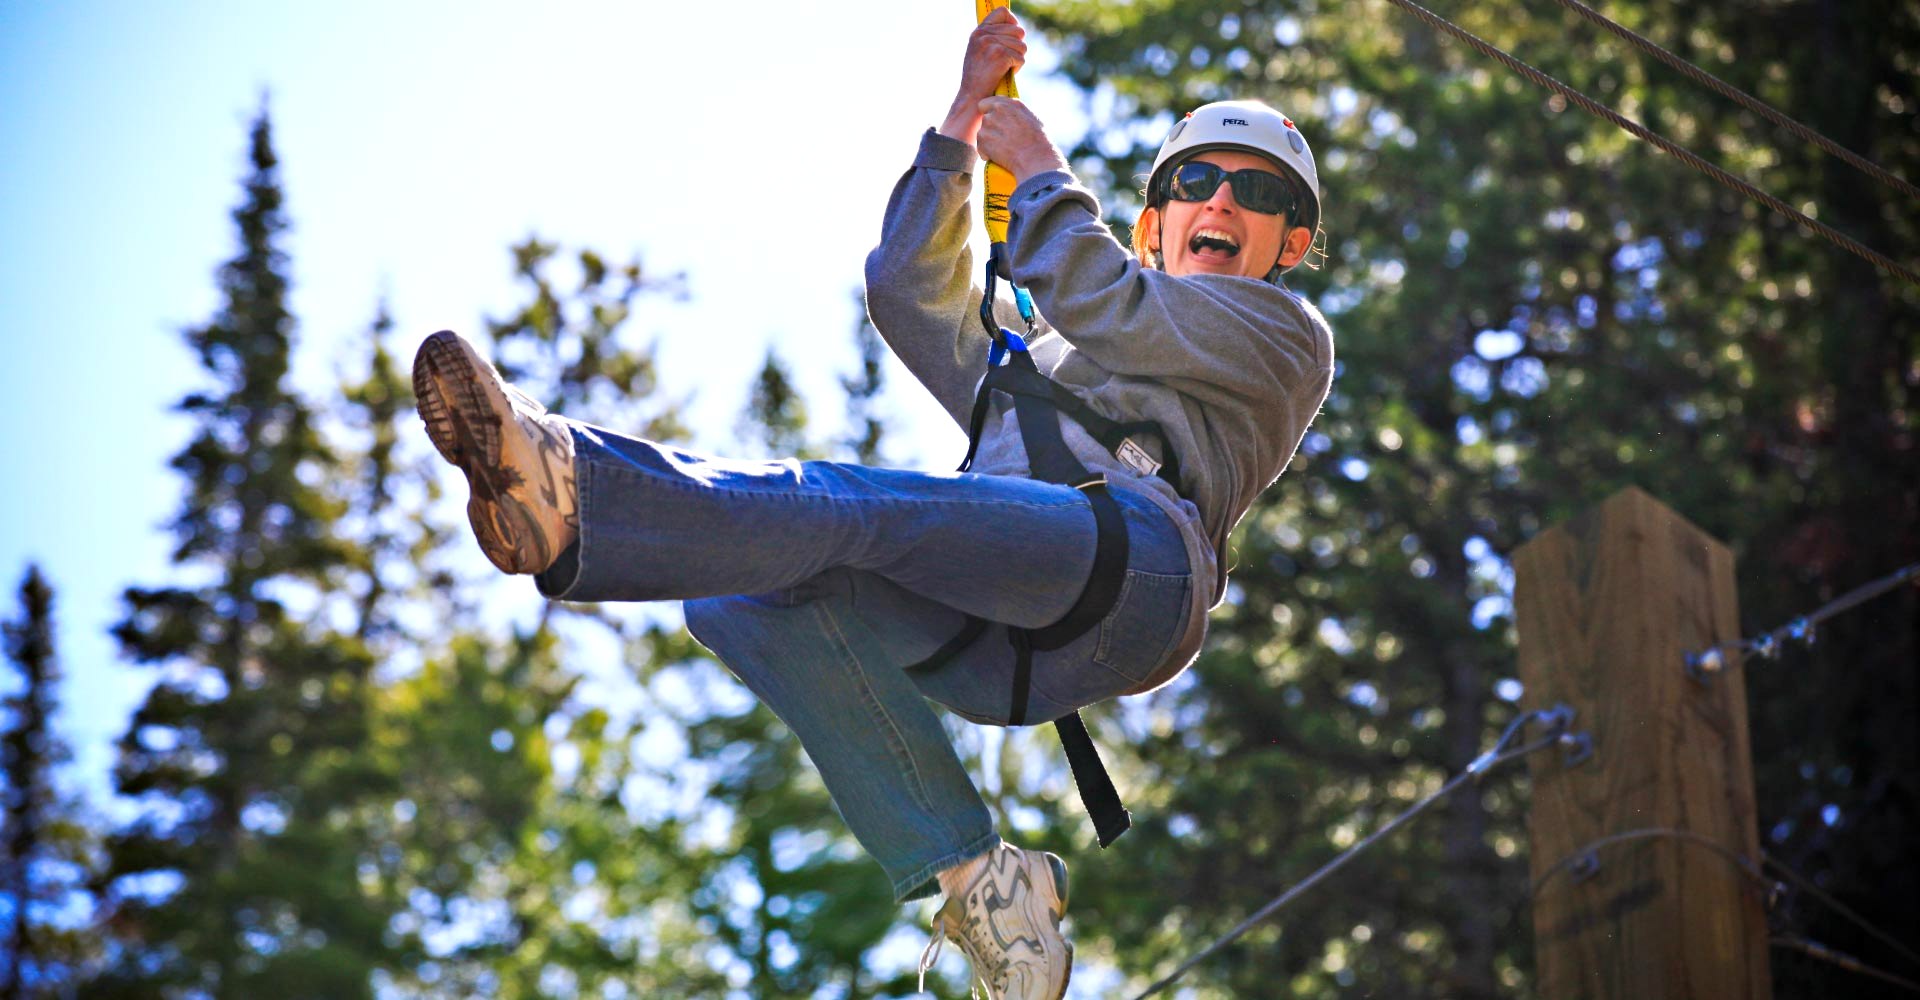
1607	607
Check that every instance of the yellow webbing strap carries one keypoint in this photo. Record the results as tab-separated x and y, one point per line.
999	180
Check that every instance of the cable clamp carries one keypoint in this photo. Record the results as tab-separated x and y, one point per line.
1706	664
1800	630
1585	866
1555	720
1575	749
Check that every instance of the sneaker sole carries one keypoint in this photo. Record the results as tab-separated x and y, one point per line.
464	426
1058	869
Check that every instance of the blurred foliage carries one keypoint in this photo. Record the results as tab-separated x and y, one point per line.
866	425
51	838
363	771
1531	311
236	875
351	779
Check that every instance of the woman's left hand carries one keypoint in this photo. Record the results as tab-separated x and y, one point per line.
1012	137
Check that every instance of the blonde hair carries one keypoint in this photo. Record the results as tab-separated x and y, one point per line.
1141	251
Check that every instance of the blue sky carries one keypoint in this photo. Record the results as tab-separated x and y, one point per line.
418	141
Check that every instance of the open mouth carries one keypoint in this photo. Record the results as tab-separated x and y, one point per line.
1212	244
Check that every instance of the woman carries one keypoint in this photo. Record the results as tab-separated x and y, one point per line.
855	573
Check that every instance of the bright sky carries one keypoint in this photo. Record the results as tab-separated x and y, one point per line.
418	141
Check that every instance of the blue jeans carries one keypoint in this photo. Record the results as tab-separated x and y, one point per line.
817	582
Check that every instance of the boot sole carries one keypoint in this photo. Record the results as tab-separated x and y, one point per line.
465	429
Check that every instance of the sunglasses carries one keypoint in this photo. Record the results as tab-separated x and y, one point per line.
1255	190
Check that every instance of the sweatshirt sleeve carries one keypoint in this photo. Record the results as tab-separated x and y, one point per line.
919	293
1241	337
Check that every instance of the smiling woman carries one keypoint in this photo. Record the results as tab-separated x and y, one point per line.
1082	532
1234	191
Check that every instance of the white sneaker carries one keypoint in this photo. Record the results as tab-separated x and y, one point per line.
1007	921
518	459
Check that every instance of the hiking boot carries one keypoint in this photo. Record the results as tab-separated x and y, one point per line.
1007	921
518	459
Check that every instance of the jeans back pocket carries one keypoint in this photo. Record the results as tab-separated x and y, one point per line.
1145	622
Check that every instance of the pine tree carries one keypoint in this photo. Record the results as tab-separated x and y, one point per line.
512	846
1530	312
237	879
865	428
45	947
568	349
775	419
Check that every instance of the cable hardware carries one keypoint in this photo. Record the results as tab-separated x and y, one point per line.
1708	663
1820	952
1554	720
1663	144
1744	99
1575	749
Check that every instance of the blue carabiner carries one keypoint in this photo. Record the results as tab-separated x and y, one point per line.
1007	341
1023	302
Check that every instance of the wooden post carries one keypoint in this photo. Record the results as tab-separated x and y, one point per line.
1607	608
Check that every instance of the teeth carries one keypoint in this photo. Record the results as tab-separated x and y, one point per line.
1214	238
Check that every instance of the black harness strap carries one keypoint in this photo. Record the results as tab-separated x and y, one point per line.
1025	382
961	640
1037	402
1110	818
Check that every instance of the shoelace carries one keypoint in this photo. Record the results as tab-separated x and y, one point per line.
932	955
932	952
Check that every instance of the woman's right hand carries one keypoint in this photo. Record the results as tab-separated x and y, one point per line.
995	48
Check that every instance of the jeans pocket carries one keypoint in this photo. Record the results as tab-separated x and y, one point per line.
1145	622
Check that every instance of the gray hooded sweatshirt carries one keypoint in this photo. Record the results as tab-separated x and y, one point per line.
1233	369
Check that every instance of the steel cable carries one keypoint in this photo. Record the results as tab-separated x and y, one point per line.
1767	644
1744	99
1591	851
1493	758
1665	145
1819	951
1807	885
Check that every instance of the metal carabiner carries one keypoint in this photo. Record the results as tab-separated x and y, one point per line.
1000	338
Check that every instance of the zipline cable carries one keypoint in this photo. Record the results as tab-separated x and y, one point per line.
1819	951
1767	644
1557	721
1589	854
1583	863
1744	99
1807	885
1684	155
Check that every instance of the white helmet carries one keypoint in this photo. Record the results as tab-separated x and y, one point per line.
1243	125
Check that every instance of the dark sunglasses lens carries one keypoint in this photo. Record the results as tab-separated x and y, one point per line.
1261	192
1255	190
1196	181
